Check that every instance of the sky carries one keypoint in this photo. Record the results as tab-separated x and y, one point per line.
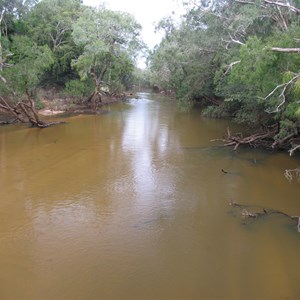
146	12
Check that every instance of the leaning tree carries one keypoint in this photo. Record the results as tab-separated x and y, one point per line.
22	67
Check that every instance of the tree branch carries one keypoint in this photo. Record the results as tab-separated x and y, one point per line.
286	50
264	213
236	41
292	173
291	151
284	86
229	67
290	7
286	5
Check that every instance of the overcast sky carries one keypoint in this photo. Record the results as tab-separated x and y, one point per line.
146	12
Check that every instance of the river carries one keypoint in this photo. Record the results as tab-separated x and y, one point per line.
132	204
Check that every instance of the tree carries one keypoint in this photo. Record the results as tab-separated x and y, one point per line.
110	41
241	57
186	59
20	78
50	23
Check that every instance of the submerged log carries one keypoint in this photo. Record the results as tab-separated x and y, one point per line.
245	213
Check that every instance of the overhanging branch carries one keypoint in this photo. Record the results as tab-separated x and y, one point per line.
284	86
286	50
286	5
229	67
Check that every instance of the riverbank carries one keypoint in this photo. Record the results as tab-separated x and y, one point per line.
53	105
58	105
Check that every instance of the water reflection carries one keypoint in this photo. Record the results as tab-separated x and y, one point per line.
144	140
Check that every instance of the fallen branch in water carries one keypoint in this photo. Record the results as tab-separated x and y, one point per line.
290	174
255	215
254	140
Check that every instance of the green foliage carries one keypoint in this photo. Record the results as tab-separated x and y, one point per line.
50	23
140	79
79	89
296	89
53	42
110	42
28	64
224	50
286	128
38	103
297	112
256	70
216	112
224	110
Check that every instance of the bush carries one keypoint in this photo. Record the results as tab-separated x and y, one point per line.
218	112
79	89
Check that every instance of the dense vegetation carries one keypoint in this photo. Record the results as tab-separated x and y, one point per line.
63	45
240	59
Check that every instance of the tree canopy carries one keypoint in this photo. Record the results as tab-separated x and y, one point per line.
65	45
110	43
240	59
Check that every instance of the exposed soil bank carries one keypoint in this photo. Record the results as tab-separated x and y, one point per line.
57	106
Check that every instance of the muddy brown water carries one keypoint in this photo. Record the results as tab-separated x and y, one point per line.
132	204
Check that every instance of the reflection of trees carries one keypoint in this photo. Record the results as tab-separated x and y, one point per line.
149	145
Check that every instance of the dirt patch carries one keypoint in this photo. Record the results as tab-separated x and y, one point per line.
50	112
54	105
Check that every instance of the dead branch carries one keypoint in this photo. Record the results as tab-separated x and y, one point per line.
254	140
234	40
286	50
3	79
245	2
291	151
276	3
245	213
229	67
290	174
286	5
284	87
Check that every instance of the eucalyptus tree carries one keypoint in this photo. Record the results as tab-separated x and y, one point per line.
261	81
50	23
243	55
187	58
19	78
110	42
22	62
11	11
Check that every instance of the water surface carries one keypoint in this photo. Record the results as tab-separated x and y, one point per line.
132	204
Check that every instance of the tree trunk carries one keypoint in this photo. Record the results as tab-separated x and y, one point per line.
24	113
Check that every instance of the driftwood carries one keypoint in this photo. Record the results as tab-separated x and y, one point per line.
264	213
254	140
290	174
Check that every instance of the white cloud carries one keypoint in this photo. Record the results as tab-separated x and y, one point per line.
146	12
